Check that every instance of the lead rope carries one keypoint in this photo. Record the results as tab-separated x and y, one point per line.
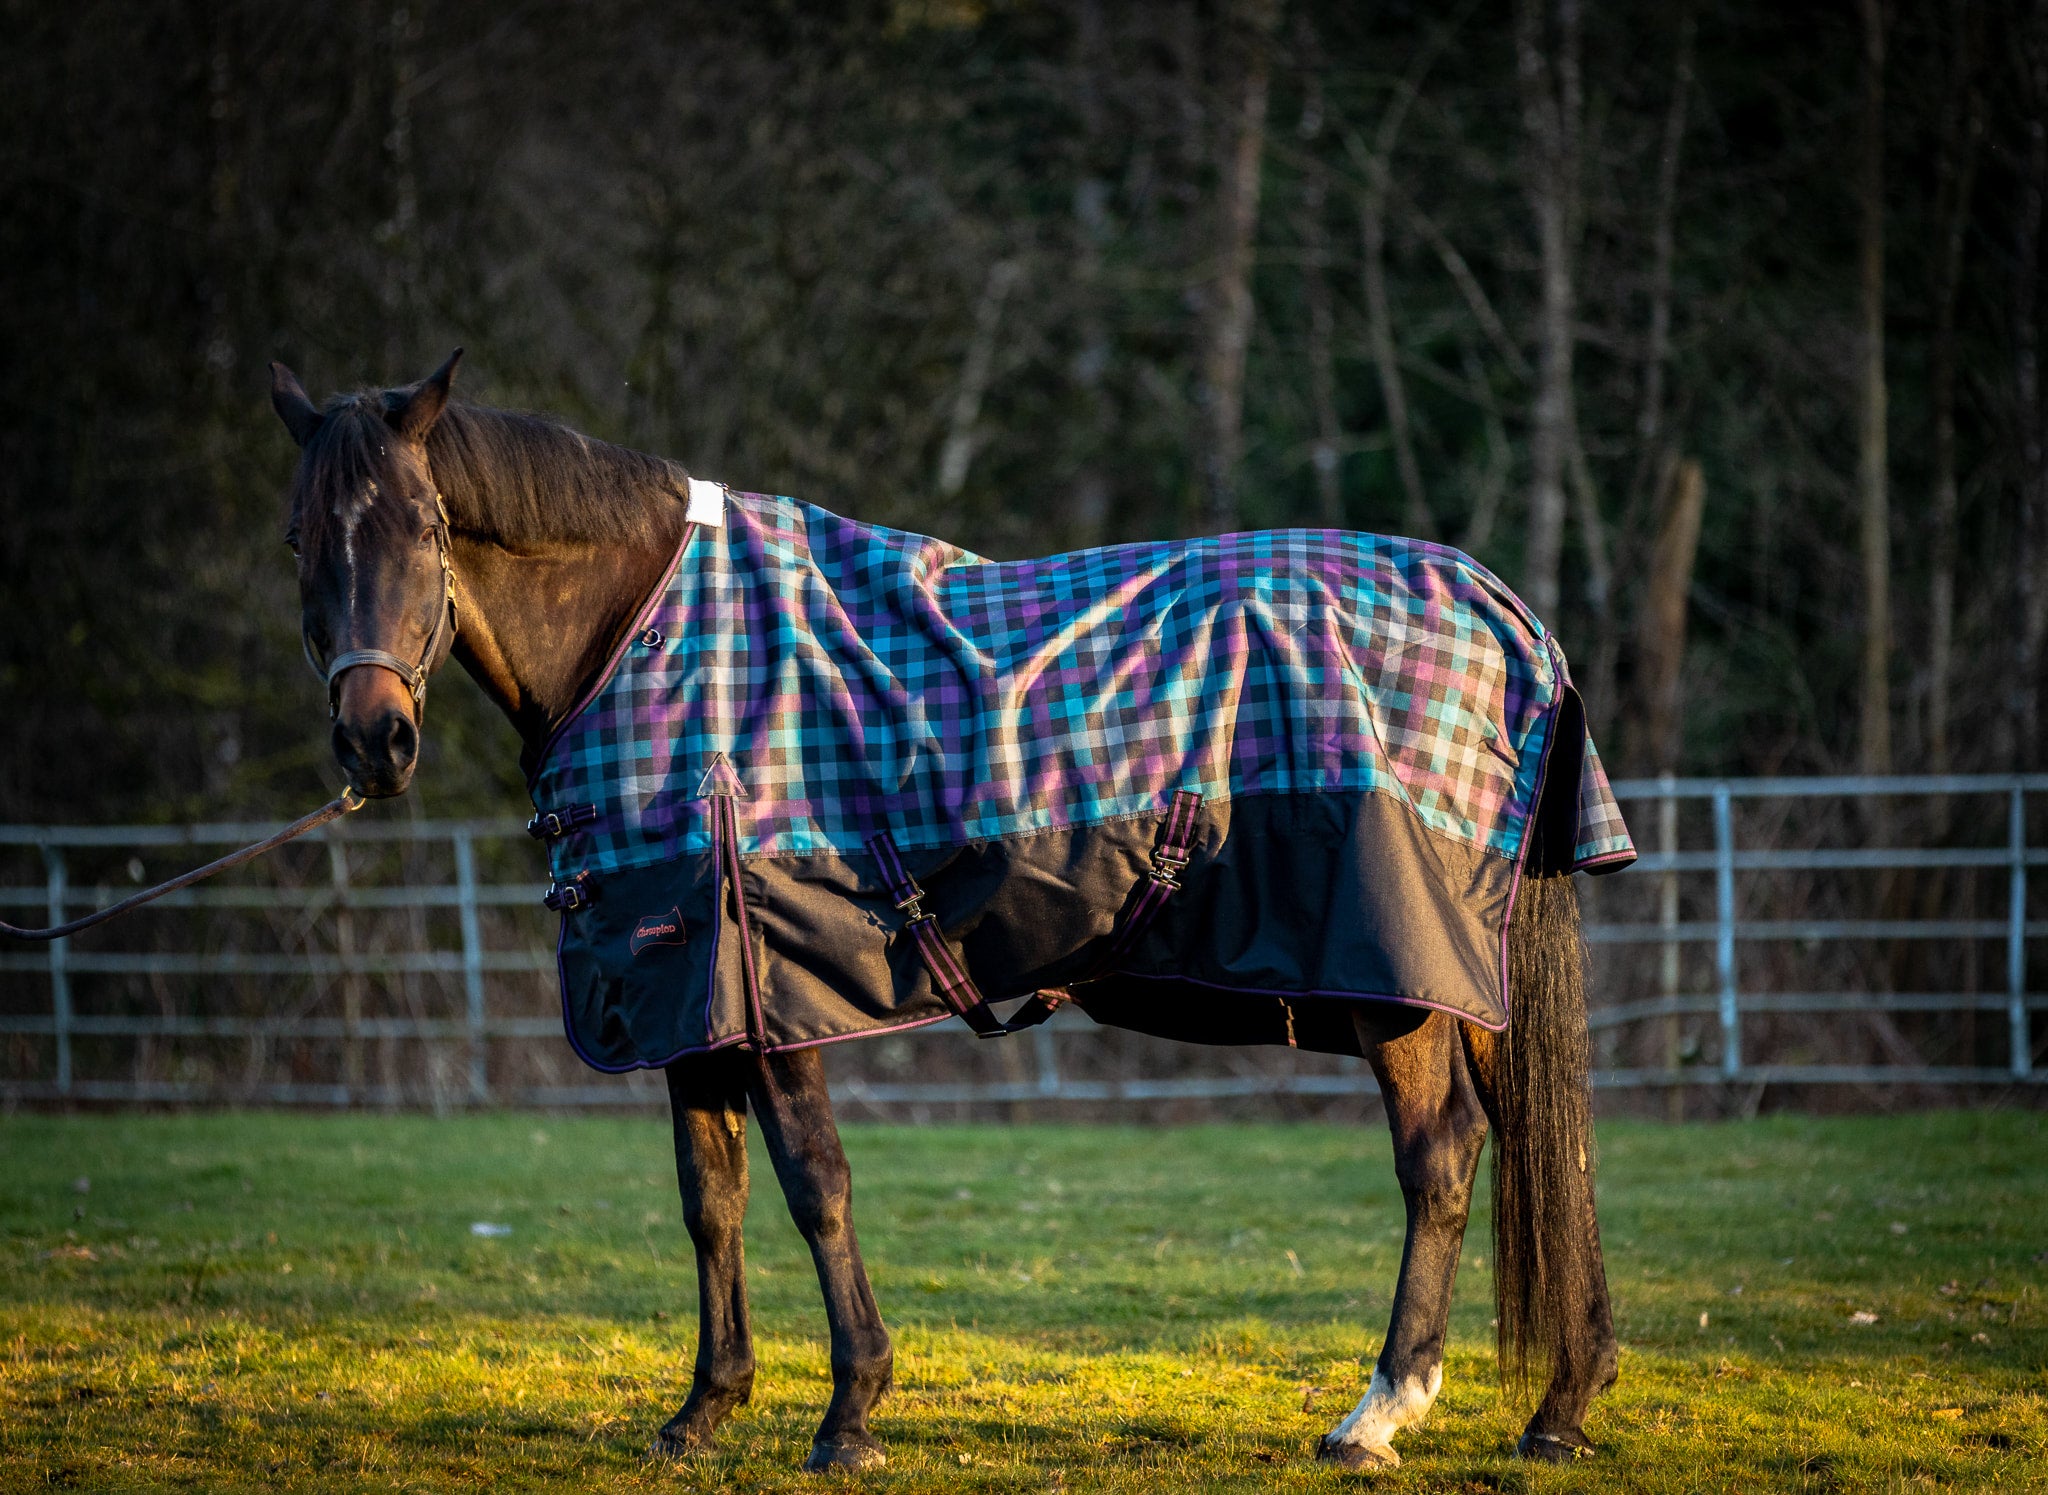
345	803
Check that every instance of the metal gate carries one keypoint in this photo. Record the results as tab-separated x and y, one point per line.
1776	931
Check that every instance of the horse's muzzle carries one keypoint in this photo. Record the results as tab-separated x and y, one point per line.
378	752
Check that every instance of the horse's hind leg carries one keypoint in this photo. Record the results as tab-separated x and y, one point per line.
1438	1129
795	1112
708	1101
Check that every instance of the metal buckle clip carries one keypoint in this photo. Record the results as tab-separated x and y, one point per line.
546	825
567	897
1167	868
913	908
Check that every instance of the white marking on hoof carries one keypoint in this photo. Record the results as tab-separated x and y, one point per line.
1364	1439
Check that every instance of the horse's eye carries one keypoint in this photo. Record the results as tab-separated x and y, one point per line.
292	542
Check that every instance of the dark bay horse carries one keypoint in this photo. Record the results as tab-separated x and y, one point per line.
425	529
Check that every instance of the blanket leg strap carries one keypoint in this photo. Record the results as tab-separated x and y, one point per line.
1169	859
949	978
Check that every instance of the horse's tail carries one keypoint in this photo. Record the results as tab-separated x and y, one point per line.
1545	1251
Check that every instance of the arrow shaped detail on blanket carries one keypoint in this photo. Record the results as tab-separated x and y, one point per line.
719	779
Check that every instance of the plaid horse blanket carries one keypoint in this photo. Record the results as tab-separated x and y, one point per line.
1217	789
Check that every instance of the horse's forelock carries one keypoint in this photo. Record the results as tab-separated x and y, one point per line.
350	459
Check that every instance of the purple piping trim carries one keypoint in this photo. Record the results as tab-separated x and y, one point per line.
603	678
1342	996
741	1038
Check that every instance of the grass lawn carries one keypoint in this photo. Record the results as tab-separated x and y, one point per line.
259	1301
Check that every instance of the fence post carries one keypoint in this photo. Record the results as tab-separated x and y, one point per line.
2016	942
60	968
1724	930
345	952
1048	1060
472	967
1667	916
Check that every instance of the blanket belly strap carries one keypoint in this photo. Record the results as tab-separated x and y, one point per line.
949	977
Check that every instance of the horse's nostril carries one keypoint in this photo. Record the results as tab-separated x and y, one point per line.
403	743
377	756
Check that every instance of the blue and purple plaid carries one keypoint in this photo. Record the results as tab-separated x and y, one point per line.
853	678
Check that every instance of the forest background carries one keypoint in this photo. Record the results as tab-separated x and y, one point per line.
1713	325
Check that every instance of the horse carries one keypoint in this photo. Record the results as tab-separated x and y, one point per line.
426	529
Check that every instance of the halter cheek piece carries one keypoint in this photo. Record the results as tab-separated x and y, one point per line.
414	675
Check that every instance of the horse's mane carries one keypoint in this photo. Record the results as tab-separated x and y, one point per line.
527	479
520	479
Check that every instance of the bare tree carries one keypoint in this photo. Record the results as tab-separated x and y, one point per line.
1547	53
1962	123
1088	495
1376	165
1873	503
1663	257
1227	298
1660	626
1314	230
2032	597
961	434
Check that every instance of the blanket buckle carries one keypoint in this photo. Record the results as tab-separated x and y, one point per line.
552	825
566	897
1167	867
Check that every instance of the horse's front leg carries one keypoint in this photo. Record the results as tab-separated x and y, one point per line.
795	1112
1438	1128
708	1101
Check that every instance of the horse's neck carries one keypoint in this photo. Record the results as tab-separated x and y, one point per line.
535	625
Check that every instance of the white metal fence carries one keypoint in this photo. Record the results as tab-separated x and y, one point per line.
1762	939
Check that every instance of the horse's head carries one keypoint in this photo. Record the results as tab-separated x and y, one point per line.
377	596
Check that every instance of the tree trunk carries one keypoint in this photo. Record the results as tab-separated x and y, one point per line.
1551	109
1372	219
1955	167
1227	302
1663	255
962	427
2030	595
1324	456
1088	498
400	231
1660	627
1873	506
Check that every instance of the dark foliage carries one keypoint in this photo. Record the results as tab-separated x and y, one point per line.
947	264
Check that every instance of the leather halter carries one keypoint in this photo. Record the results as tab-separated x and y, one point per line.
414	675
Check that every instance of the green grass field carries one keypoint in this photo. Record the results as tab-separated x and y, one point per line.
256	1301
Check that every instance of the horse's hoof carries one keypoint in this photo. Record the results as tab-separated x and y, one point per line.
682	1438
676	1445
849	1454
1555	1448
1359	1458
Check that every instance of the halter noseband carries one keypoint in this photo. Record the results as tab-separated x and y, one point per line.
414	675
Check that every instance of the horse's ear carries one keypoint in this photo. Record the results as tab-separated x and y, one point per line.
288	399
412	414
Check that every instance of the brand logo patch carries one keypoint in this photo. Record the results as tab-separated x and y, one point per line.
658	929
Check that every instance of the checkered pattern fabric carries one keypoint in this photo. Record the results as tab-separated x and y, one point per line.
841	678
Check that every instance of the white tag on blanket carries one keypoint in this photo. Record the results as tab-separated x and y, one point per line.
707	502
